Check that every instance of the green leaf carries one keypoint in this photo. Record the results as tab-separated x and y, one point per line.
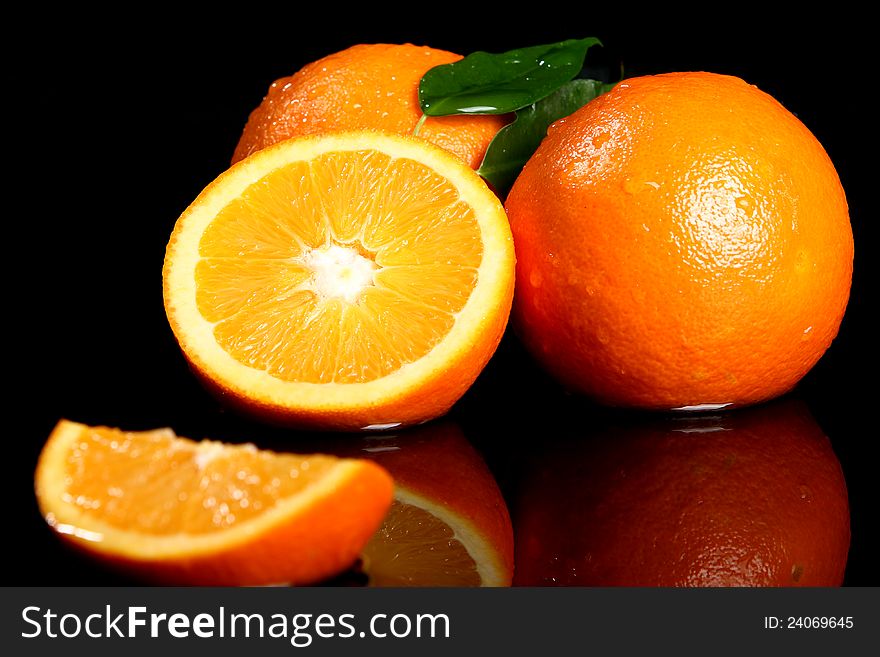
484	83
516	142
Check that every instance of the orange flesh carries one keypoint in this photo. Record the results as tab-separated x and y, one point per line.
415	548
173	486
336	269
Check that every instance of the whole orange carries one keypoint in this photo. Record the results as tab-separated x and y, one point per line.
750	498
368	86
683	240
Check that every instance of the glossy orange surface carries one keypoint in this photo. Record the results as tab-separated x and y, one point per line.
682	240
368	86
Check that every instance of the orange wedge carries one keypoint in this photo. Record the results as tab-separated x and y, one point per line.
345	281
182	512
448	524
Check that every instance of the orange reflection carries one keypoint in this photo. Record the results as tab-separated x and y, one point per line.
748	498
448	525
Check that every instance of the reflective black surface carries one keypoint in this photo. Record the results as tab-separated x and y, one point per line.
113	142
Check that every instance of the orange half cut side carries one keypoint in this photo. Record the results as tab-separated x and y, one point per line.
347	281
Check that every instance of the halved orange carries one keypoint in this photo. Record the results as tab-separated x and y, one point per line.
182	512
448	524
347	281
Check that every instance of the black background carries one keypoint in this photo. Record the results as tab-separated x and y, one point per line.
115	129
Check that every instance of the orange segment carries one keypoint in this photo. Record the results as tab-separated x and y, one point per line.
272	218
228	286
207	513
342	281
437	286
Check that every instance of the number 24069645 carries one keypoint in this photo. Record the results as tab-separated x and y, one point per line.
809	622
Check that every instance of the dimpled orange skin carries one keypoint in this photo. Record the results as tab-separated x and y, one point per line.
681	240
368	86
753	498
